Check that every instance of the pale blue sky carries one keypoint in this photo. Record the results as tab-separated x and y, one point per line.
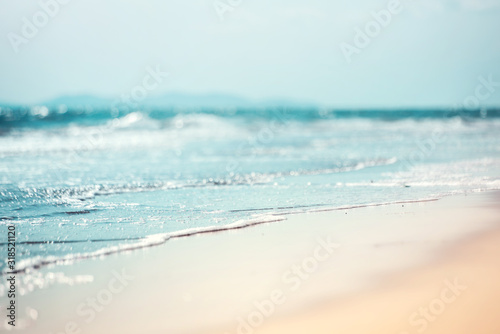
431	54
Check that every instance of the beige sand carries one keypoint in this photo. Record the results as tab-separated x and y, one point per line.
474	309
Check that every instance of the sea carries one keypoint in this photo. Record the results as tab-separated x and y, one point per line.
87	182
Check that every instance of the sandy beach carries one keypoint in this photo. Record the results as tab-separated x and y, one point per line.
428	266
458	294
250	167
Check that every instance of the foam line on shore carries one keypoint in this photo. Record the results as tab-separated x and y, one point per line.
161	238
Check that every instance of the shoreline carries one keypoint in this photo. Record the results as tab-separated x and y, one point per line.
161	238
206	283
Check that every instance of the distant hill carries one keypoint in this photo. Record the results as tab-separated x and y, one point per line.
77	100
170	100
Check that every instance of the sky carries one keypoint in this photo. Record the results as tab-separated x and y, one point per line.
425	53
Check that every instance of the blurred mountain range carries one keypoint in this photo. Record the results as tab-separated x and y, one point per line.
170	100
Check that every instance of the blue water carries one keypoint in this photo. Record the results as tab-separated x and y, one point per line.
78	181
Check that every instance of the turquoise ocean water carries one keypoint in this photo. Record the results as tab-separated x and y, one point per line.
82	183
